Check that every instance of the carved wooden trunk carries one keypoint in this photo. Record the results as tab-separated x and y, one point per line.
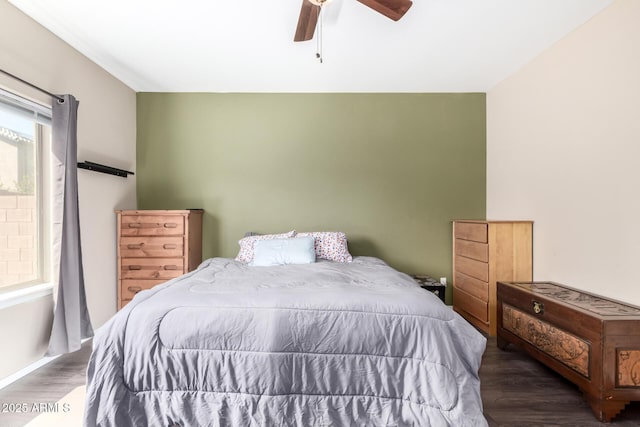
590	340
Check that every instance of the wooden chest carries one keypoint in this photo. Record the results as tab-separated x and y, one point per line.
155	246
483	253
592	341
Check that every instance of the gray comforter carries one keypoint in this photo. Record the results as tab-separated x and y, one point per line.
324	344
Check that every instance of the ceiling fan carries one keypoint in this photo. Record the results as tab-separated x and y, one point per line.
392	9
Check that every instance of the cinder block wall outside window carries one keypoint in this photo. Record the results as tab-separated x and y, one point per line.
17	239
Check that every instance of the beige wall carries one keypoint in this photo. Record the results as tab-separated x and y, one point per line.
563	149
106	134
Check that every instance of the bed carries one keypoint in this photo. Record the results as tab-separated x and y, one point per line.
319	344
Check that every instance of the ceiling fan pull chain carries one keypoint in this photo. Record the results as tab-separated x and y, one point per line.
319	39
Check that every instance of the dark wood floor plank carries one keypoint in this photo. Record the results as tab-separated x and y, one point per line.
519	391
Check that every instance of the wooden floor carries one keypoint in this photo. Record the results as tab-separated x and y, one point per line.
516	391
519	391
45	385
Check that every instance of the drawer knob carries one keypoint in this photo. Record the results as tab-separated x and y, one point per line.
135	267
134	289
135	225
538	307
169	246
170	267
135	246
170	225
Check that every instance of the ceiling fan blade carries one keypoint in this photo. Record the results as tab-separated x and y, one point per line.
306	22
392	9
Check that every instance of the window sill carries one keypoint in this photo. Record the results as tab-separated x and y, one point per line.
23	295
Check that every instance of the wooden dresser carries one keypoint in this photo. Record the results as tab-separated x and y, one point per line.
592	341
485	252
155	246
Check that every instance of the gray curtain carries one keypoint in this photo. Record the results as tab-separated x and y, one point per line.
71	321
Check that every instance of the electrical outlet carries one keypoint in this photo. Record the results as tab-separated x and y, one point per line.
443	281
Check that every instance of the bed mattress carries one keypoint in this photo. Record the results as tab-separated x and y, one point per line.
323	344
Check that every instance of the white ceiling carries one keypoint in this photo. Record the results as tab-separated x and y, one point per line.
247	45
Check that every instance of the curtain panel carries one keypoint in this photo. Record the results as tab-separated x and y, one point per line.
71	321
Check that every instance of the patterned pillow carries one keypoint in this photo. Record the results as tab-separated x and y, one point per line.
331	245
247	244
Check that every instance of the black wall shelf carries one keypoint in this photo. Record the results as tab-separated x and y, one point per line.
97	167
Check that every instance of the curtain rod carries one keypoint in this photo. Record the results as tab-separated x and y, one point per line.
32	85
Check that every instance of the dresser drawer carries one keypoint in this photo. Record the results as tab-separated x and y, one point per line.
563	346
476	232
129	288
472	286
152	225
151	268
155	246
473	250
149	246
470	304
473	268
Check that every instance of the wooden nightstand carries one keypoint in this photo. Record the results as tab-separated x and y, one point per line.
432	285
155	246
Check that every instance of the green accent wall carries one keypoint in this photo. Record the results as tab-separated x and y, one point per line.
390	170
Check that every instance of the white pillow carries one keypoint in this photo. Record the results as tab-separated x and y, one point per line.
296	250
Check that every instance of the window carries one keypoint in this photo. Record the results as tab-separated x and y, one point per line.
25	146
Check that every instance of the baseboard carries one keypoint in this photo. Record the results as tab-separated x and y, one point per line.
28	369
